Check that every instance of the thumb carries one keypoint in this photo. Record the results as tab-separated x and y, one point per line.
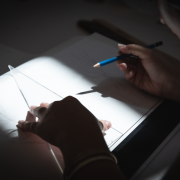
28	126
136	50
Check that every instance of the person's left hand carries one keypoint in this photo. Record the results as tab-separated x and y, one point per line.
55	149
106	124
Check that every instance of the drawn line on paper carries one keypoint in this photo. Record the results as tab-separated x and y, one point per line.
116	130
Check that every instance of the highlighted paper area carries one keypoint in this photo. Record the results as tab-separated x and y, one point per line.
33	92
112	135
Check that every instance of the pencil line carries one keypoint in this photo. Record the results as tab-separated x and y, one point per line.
116	130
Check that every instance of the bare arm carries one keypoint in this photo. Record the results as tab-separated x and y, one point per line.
170	16
68	125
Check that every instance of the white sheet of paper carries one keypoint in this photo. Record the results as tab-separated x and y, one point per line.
104	91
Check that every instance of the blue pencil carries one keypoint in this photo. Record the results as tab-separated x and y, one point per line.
102	63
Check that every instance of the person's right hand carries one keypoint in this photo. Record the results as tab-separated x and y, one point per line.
149	72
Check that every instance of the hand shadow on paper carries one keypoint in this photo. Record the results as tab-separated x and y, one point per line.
121	90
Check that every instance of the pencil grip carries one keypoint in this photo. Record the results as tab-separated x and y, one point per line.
155	45
114	59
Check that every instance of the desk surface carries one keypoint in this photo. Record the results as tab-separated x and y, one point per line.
34	27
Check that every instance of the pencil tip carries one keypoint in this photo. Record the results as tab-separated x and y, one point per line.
96	65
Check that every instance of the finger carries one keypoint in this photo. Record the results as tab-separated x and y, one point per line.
106	124
130	60
28	126
38	111
127	60
129	69
123	67
162	20
121	45
130	72
30	117
119	53
141	52
43	104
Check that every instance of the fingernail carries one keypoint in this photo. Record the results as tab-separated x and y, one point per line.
43	103
108	124
121	45
125	50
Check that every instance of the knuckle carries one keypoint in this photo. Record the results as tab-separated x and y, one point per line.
26	126
30	126
41	109
71	102
70	99
54	104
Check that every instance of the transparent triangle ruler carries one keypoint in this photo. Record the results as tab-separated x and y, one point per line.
34	94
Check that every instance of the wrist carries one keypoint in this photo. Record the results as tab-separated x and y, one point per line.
77	142
85	158
173	91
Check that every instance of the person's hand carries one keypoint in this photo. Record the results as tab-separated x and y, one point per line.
66	124
105	124
149	72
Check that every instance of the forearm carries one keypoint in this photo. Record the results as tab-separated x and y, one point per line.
99	170
171	82
170	16
174	93
81	142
